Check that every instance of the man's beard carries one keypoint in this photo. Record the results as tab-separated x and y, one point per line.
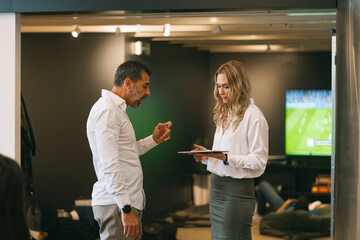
136	98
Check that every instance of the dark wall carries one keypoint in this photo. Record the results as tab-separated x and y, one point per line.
109	5
178	85
271	74
62	77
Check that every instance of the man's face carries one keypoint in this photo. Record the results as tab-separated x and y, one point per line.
140	90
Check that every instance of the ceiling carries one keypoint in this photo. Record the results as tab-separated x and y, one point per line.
223	31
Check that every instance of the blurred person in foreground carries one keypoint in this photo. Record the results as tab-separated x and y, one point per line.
13	223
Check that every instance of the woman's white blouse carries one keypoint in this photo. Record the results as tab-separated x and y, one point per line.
247	146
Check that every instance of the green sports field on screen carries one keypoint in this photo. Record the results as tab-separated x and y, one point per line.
308	123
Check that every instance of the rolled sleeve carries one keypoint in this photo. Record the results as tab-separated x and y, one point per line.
258	147
144	145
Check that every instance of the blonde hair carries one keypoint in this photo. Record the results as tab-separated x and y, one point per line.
239	94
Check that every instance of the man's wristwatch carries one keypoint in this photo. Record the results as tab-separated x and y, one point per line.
226	160
126	209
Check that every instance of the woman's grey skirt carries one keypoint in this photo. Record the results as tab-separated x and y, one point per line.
232	204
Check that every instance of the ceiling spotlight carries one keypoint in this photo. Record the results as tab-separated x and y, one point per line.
141	48
75	33
167	30
117	30
138	48
216	29
213	19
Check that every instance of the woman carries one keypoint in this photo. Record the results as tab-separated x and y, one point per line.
13	225
242	131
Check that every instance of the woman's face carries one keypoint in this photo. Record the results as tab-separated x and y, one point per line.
223	87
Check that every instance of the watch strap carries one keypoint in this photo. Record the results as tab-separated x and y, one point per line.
126	209
226	160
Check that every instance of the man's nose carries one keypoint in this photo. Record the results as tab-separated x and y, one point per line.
148	92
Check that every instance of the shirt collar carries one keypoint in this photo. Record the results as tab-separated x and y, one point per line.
118	101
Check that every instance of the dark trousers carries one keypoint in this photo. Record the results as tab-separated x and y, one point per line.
267	194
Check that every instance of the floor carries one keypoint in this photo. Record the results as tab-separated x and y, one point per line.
204	233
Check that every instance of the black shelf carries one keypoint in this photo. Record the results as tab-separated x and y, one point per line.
272	165
323	197
294	176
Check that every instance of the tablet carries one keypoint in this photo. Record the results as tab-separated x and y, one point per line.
203	152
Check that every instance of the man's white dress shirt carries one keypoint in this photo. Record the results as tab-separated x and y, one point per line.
247	146
116	154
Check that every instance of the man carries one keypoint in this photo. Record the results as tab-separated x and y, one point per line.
266	193
118	196
293	218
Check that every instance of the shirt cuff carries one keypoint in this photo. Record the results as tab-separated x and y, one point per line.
121	201
150	141
234	161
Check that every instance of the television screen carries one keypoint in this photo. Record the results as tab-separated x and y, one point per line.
308	122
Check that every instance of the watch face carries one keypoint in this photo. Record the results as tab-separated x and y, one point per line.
126	209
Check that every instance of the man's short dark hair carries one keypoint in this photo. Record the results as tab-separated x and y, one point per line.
130	69
301	203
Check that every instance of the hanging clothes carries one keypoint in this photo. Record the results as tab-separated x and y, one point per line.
28	147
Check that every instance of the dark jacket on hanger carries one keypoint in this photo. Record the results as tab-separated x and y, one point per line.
28	147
